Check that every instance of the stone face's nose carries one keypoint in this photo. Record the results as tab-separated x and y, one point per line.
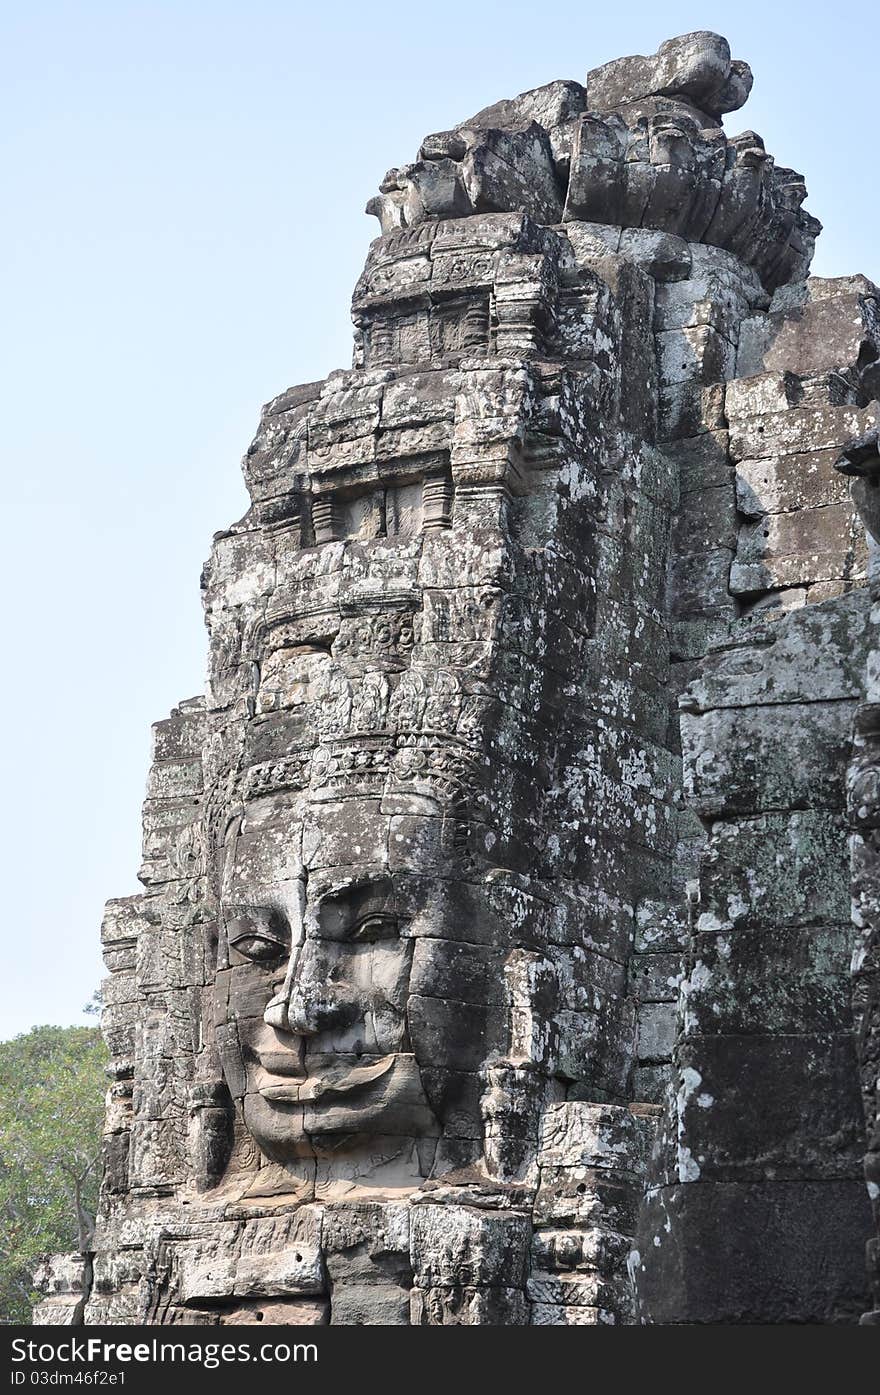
276	1013
309	1003
316	1008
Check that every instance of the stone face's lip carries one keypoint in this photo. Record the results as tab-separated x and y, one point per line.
319	1087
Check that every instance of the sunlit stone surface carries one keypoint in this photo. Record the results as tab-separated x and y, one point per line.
493	963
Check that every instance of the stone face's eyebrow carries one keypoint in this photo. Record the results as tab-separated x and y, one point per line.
341	909
250	920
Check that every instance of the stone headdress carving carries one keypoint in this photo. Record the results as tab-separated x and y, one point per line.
454	914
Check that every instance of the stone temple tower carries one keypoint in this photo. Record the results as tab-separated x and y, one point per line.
508	949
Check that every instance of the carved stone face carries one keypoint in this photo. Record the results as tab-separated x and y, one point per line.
329	993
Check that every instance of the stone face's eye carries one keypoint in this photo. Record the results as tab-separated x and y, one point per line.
360	913
258	937
376	927
261	949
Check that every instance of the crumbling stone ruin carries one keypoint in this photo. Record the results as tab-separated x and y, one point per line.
508	949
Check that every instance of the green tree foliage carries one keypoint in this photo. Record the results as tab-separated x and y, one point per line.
51	1106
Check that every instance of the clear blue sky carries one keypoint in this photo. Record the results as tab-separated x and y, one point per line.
184	185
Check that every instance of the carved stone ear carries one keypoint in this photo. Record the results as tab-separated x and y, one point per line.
510	1107
210	1132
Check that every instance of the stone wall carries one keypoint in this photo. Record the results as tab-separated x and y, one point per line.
493	963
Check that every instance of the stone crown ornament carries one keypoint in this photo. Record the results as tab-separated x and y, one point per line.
640	146
508	948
